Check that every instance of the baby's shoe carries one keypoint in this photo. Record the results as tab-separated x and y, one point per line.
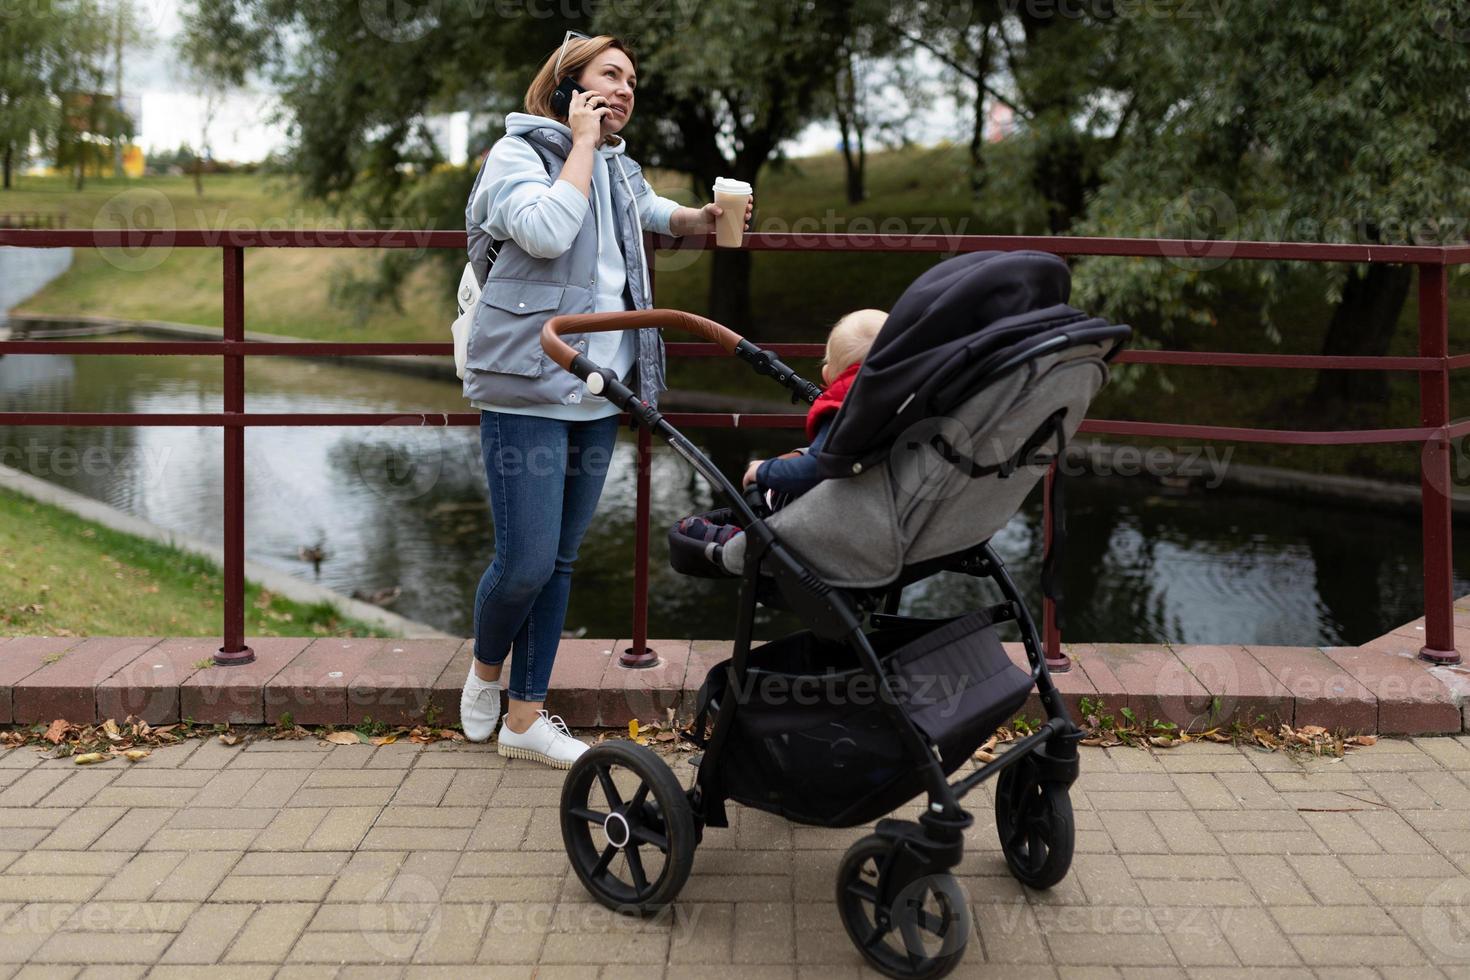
548	740
479	707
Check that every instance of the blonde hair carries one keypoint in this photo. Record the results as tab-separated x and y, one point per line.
579	53
852	337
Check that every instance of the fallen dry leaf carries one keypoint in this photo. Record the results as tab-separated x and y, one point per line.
135	755
88	758
57	730
229	738
343	738
110	728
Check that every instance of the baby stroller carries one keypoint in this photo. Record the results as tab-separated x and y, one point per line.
972	388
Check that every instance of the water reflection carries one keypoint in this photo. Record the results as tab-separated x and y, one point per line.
406	506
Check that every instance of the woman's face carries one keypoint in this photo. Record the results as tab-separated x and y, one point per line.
611	75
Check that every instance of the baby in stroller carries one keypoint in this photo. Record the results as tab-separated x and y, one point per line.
784	478
794	473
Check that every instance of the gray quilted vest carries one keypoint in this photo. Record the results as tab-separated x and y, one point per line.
505	364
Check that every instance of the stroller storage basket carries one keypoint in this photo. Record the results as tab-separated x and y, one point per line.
811	740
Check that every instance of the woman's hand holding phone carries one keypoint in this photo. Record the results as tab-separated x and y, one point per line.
585	117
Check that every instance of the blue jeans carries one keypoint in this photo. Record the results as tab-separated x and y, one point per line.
545	476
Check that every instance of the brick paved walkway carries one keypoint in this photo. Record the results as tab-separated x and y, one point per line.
420	860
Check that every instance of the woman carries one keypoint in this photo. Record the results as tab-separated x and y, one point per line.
566	208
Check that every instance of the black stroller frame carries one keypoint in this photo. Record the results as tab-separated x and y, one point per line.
893	886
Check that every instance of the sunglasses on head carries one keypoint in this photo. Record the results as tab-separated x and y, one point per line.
561	53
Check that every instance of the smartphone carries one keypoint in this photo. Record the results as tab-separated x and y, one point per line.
561	99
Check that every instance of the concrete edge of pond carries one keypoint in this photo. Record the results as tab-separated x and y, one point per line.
280	582
1202	467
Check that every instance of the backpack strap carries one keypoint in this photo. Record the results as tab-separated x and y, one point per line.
481	247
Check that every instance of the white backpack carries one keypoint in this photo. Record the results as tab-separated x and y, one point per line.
468	297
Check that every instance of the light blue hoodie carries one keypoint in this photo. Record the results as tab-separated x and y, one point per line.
518	201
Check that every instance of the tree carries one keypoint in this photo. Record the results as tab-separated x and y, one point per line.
1346	123
90	119
1052	64
869	60
29	48
964	38
215	61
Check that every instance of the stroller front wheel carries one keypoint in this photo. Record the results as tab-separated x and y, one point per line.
628	828
1036	827
917	934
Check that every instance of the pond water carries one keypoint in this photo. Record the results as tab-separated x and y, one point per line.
407	507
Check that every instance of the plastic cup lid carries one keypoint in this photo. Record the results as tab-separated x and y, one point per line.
729	185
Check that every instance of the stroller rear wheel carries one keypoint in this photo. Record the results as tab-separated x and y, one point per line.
627	827
920	934
1037	831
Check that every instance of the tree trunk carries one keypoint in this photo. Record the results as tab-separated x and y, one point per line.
1363	324
844	131
977	146
1062	177
849	124
729	289
198	176
9	157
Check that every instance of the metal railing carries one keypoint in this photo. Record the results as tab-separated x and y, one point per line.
1433	366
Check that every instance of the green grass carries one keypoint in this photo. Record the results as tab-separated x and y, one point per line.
795	295
62	575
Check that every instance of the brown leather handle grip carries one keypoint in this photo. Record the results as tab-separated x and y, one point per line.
562	353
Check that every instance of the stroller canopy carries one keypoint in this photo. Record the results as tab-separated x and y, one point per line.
954	323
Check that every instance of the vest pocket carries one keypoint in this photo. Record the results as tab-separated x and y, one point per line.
523	297
507	334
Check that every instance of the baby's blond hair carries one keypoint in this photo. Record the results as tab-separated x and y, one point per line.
852	337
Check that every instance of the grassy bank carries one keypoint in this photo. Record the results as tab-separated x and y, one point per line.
64	576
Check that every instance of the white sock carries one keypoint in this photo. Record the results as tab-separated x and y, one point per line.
474	683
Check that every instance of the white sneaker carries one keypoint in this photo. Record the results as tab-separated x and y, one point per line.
479	707
548	740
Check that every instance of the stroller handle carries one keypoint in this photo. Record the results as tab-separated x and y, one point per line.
563	354
599	379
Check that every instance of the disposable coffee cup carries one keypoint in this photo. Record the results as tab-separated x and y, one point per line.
732	196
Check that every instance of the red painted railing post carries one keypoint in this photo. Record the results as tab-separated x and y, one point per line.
638	655
234	651
1051	633
1434	472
